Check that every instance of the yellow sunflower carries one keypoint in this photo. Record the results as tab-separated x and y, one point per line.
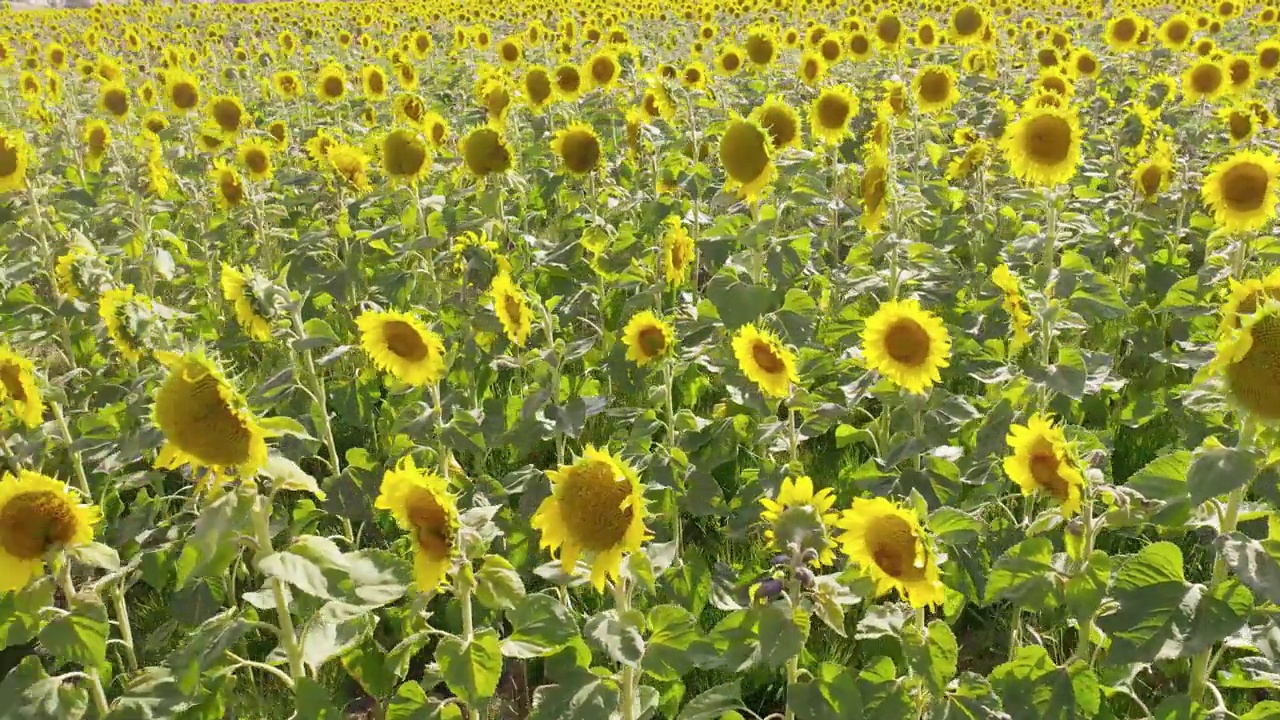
405	158
113	99
1043	146
228	114
512	308
485	151
568	82
350	165
1243	298
401	344
14	158
765	360
1248	358
244	291
38	516
647	338
120	310
935	89
1083	64
1241	190
1124	32
874	188
780	120
830	113
694	76
421	503
255	156
205	421
906	344
1206	80
578	147
730	60
538	88
967	25
887	541
96	138
801	517
602	70
287	84
1015	305
228	186
18	388
746	151
181	91
331	83
373	82
1041	463
597	509
677	252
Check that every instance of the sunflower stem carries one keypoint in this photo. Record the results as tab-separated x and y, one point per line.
627	681
668	377
1086	624
442	451
793	436
126	629
319	393
288	636
95	680
82	480
1201	667
463	582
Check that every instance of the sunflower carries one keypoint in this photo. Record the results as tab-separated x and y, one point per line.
255	156
421	503
874	188
780	120
113	99
578	147
485	151
39	515
1205	80
1240	123
830	113
926	36
1175	32
287	84
1015	305
204	419
800	517
1084	64
656	103
331	83
279	133
906	344
1267	57
812	68
694	76
761	47
373	82
1241	74
1123	32
887	541
602	70
746	154
228	186
765	360
1244	298
935	89
154	123
889	31
228	114
245	290
14	158
350	164
96	138
730	60
596	508
647	338
568	82
125	316
830	49
407	76
405	158
29	86
677	252
79	273
401	344
18	387
1043	146
411	109
967	25
1054	81
1151	177
512	308
181	91
1241	190
538	89
1041	463
436	128
510	51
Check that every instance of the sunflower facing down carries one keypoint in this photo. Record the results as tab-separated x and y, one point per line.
597	509
888	542
204	420
402	345
38	515
1248	358
126	316
578	148
228	186
421	503
677	252
765	360
512	308
244	291
746	151
18	389
1241	190
802	517
873	188
906	344
1043	146
1015	305
1042	464
648	338
1151	177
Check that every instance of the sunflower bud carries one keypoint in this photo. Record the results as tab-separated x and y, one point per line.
805	576
768	589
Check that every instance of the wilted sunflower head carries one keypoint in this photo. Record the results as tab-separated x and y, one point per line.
745	154
404	156
204	419
38	515
485	151
1242	191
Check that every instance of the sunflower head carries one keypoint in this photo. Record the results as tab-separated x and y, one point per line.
746	151
228	185
830	113
873	188
765	360
485	151
113	99
373	82
568	82
19	393
812	67
38	516
1248	358
602	69
906	344
350	165
648	338
887	541
228	114
402	345
512	308
254	299
331	83
1041	463
935	89
538	89
14	158
405	157
967	24
799	519
130	320
204	419
422	505
1043	146
596	509
578	147
1206	79
730	60
677	252
1242	190
780	120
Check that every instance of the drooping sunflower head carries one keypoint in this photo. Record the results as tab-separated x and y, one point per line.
935	89
402	345
578	148
485	151
512	308
81	273
596	509
130	321
746	151
1043	146
204	419
888	542
874	188
648	338
1041	463
19	393
1244	298
39	515
801	519
906	344
253	298
1242	190
405	158
228	186
830	113
780	120
421	504
677	252
765	360
14	158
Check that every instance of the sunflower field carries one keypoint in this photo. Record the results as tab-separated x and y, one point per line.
708	360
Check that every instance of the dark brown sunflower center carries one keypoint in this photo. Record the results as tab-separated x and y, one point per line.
1044	466
404	341
760	49
603	70
538	86
1125	29
765	357
926	34
377	85
830	49
1054	84
1254	380
8	159
907	342
934	86
1150	181
404	155
332	86
1086	65
780	124
1244	186
1240	124
430	524
97	140
967	21
833	111
513	308
277	131
893	548
510	52
32	523
652	341
11	381
580	151
591	497
730	62
889	29
227	114
1048	139
230	188
185	96
1178	31
116	101
257	160
859	44
568	80
1206	77
195	416
1269	58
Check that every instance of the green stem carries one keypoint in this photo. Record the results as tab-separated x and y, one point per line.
1086	625
126	629
441	450
82	480
288	636
321	397
627	682
468	623
95	680
677	526
793	435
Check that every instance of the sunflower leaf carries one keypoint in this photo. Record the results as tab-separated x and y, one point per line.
472	668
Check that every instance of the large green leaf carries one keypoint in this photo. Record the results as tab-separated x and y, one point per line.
1255	562
80	636
713	703
471	669
1217	471
540	626
831	693
1025	575
1031	686
28	693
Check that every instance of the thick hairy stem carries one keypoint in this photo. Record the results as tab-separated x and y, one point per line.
288	636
